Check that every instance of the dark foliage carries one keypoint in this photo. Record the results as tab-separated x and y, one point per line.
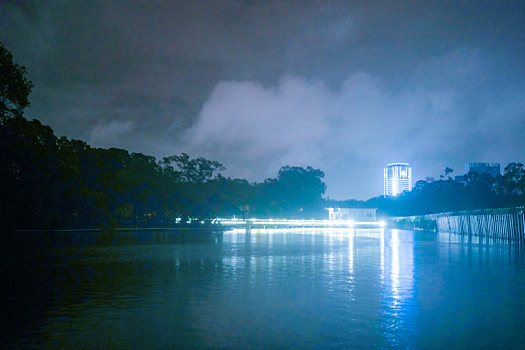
60	183
14	86
477	191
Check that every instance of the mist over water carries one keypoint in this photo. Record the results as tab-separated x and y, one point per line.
303	288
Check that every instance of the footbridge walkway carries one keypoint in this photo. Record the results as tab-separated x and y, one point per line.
282	223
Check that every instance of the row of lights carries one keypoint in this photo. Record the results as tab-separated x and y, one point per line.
349	223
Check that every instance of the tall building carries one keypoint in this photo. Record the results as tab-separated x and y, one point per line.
397	178
493	169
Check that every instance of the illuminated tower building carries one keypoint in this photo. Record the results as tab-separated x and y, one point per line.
397	179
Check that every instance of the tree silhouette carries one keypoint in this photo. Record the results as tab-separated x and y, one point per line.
14	87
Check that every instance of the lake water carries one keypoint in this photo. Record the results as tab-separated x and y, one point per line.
302	288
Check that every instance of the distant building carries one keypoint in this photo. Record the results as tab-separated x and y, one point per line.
429	179
355	214
460	178
397	179
492	169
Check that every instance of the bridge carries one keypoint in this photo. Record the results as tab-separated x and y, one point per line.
283	223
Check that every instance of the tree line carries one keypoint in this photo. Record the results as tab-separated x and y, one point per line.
475	191
50	182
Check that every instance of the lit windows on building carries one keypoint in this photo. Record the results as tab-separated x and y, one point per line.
355	214
397	178
492	169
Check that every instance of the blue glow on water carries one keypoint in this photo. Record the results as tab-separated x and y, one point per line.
282	288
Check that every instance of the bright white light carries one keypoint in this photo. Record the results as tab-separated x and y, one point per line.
299	223
394	186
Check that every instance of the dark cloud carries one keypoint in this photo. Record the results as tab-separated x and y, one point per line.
344	86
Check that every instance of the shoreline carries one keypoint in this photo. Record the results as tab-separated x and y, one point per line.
183	228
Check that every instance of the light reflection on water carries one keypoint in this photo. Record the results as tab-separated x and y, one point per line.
398	290
303	288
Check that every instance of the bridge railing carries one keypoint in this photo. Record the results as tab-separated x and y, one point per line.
501	223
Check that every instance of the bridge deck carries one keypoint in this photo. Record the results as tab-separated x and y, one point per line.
269	223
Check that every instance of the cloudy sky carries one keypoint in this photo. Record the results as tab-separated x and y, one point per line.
343	86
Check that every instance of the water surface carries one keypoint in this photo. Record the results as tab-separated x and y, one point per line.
302	288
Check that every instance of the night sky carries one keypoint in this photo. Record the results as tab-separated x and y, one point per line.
344	86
